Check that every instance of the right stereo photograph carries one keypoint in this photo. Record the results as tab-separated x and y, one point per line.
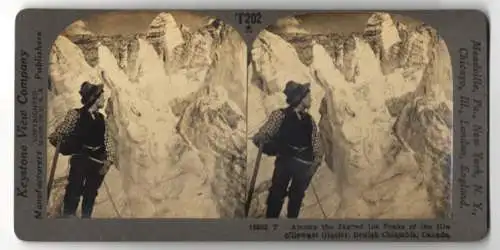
350	117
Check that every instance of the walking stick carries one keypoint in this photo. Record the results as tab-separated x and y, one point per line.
111	199
53	171
252	182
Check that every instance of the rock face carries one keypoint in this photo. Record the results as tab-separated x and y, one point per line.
179	126
381	33
270	55
165	35
382	100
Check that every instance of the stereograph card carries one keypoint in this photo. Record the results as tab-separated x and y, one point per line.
176	125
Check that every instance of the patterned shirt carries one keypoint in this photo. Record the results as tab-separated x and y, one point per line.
69	124
272	126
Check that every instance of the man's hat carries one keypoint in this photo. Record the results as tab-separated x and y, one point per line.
295	92
90	92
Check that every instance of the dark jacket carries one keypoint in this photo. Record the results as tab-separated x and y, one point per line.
296	137
93	133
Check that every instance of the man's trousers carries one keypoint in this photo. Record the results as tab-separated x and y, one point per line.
286	170
84	180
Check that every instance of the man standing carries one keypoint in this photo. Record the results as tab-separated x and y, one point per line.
296	138
92	153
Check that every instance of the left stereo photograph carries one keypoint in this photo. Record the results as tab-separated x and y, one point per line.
147	117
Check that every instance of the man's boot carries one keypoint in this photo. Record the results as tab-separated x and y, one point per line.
70	204
88	206
274	208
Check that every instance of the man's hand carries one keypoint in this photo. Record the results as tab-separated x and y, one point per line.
314	168
105	167
258	139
